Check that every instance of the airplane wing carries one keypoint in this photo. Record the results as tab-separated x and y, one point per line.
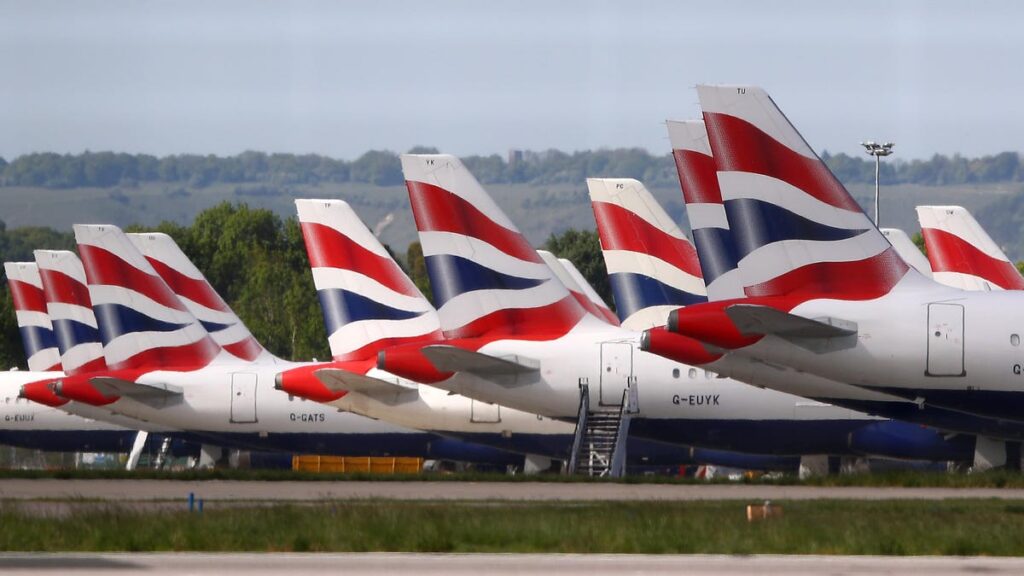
454	359
109	386
755	319
390	392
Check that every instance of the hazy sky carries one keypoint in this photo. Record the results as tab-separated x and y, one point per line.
472	77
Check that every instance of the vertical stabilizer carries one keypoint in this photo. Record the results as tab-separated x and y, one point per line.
797	231
70	309
143	324
907	250
33	321
196	293
962	254
486	278
698	180
652	267
368	302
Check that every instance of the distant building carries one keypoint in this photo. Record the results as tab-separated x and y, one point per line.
515	157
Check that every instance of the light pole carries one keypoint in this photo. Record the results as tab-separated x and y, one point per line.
877	150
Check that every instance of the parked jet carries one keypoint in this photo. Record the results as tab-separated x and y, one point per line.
800	240
962	254
164	367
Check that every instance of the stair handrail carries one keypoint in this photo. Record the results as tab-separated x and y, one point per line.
581	425
628	407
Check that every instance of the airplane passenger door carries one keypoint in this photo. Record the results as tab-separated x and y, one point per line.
945	340
243	398
616	370
484	413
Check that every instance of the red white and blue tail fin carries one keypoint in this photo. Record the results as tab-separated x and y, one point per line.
367	301
486	278
33	321
907	250
143	324
593	308
797	231
698	179
70	310
962	254
589	291
196	293
652	267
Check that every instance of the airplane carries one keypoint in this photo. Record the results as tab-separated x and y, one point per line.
638	235
369	304
962	254
516	337
717	255
164	367
44	426
824	292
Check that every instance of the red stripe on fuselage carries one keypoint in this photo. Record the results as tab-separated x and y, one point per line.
950	253
621	229
438	210
739	146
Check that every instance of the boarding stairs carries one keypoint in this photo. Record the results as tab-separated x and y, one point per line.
599	445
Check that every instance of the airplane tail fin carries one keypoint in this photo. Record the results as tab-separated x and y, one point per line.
486	278
704	209
70	309
907	250
196	293
589	291
592	308
797	231
33	320
962	254
142	322
652	266
368	302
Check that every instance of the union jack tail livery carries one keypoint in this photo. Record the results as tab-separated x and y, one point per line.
962	254
797	231
196	293
593	308
368	302
652	267
143	325
33	321
588	291
704	208
486	278
70	310
907	250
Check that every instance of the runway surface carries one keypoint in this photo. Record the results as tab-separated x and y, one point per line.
497	564
230	490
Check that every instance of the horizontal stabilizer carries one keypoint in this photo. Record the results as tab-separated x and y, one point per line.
137	390
753	319
388	391
454	359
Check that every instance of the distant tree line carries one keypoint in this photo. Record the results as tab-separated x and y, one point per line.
382	168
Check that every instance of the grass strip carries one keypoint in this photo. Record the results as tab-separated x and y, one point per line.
952	527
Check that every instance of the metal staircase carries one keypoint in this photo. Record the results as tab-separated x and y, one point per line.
599	445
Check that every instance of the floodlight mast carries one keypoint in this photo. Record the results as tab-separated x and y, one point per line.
878	151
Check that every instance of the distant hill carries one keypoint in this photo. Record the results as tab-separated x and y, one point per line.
543	192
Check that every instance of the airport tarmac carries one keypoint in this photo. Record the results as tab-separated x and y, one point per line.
498	564
291	491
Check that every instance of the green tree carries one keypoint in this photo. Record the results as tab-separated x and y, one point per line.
416	267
